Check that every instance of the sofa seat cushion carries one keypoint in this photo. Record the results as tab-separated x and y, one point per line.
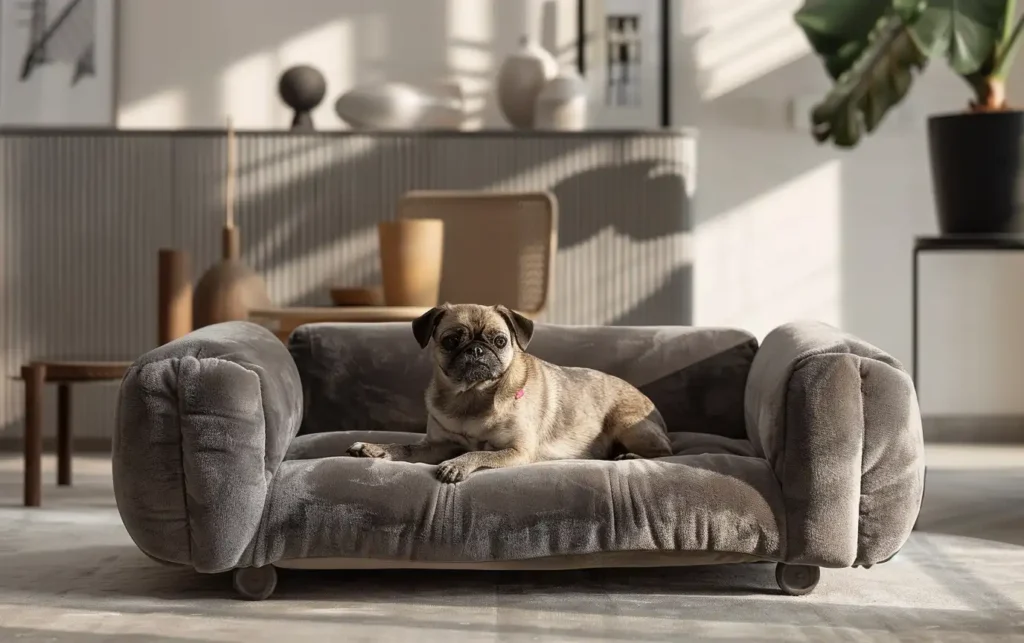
329	445
713	495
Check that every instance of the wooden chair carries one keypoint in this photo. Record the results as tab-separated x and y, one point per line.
499	247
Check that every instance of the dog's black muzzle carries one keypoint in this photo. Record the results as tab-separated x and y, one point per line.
476	361
476	350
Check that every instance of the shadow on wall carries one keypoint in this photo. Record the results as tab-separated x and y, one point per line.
314	225
612	187
672	301
296	220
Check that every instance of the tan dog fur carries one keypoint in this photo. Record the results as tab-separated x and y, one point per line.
490	404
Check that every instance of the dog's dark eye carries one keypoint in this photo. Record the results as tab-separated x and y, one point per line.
450	342
500	341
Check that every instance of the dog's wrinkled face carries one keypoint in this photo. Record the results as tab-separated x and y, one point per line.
473	344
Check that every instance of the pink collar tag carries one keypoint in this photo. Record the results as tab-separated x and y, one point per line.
520	393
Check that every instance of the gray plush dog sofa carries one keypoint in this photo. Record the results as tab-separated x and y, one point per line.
230	447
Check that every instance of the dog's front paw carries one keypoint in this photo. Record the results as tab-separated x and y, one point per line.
452	471
363	450
629	456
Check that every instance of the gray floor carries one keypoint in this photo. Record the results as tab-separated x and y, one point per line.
68	572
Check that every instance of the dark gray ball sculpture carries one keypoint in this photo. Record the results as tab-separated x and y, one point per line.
302	88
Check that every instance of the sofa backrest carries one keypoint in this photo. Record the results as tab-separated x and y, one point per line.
366	377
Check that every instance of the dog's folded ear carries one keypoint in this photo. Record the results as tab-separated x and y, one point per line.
521	327
423	327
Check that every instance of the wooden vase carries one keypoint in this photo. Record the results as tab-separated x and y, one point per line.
411	251
229	289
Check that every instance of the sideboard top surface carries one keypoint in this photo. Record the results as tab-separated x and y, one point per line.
489	133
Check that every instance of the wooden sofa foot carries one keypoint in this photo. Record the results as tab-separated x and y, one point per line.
255	583
797	580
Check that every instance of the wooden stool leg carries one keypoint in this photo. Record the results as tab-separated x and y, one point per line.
35	383
64	435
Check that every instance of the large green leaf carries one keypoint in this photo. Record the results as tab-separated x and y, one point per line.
838	29
966	33
876	82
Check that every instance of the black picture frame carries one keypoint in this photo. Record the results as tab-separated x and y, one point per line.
664	50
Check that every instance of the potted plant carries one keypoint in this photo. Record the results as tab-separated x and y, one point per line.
872	50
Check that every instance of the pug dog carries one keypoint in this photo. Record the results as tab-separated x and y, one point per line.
491	404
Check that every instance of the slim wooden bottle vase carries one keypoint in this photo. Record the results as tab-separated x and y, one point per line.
230	289
174	295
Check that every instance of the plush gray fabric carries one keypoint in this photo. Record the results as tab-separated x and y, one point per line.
203	424
839	423
348	507
808	449
371	377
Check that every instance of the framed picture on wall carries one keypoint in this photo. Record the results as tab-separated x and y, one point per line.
623	54
57	63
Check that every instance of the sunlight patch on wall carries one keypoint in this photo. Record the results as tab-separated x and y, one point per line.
245	86
470	36
775	258
330	48
166	108
249	86
742	42
559	168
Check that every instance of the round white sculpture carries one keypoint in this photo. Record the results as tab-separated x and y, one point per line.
562	103
521	78
401	106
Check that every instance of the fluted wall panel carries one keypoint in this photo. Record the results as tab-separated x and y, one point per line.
83	214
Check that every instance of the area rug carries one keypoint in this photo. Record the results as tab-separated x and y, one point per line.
69	572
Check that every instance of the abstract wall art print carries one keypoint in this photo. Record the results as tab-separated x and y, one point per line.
57	63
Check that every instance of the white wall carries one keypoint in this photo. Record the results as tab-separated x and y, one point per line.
785	228
191	63
789	229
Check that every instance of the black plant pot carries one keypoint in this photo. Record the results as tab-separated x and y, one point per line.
978	172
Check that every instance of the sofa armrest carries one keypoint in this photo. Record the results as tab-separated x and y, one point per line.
838	421
202	424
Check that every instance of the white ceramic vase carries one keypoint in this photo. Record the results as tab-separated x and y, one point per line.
391	106
562	103
521	78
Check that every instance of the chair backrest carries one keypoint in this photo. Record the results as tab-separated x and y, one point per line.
499	247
